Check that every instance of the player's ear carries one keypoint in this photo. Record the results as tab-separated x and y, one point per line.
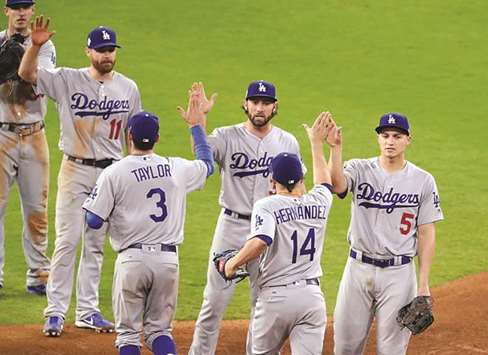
244	106
275	108
87	52
157	140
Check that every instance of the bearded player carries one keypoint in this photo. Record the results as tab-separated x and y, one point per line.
94	105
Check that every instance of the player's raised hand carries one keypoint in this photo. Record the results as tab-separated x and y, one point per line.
194	115
206	103
320	128
40	33
335	134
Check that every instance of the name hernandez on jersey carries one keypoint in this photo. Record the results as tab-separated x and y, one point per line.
388	208
294	229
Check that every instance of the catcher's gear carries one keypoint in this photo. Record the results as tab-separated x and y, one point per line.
15	90
417	315
220	259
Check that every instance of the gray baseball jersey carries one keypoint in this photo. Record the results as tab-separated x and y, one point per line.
243	160
30	111
144	198
387	208
386	211
149	195
93	119
25	160
296	229
289	297
93	115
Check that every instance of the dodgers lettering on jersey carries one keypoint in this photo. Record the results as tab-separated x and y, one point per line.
93	115
144	198
32	110
296	226
243	159
388	208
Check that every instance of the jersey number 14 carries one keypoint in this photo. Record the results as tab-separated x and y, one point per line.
307	247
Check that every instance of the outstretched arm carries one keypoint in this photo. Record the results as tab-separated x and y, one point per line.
317	135
40	34
334	140
195	117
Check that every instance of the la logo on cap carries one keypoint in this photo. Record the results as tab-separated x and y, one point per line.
105	35
391	119
262	88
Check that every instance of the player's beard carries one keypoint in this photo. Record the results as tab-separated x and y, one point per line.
104	67
259	121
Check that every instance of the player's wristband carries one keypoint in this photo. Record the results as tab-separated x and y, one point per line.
202	148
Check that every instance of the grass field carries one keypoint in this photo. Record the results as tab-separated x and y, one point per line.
358	59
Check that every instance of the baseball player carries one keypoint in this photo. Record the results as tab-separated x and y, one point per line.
24	154
395	205
287	233
94	104
143	197
243	153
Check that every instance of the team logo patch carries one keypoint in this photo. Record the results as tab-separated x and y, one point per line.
247	166
437	200
388	201
259	221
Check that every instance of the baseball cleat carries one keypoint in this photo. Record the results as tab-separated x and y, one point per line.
96	322
53	326
39	290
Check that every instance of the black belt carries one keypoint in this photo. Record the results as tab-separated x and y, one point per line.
23	129
403	260
315	281
159	247
103	163
236	215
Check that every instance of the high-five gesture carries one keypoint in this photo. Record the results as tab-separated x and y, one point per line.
40	31
320	129
335	134
198	91
195	114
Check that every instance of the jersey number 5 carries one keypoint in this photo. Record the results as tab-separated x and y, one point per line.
307	248
160	204
406	223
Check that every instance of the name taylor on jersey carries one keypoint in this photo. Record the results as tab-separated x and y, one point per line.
151	172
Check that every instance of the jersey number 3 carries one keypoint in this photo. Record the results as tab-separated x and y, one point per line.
160	204
307	248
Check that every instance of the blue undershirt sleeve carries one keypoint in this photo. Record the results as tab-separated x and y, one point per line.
202	148
93	220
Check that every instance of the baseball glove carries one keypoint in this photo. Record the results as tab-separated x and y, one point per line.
15	90
220	259
417	315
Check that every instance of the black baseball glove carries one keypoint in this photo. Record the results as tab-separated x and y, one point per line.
417	315
15	90
221	259
11	52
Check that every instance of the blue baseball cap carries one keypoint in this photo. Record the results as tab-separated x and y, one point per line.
144	127
261	88
13	3
286	168
102	36
393	120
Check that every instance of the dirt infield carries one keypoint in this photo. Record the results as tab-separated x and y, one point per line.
461	327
